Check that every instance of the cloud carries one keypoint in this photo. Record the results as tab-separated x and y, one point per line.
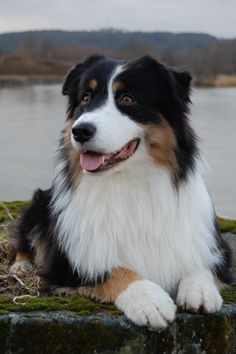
213	16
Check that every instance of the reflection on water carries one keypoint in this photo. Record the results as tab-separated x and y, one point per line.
31	118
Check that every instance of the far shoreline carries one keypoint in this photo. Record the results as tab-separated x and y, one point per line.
21	80
9	80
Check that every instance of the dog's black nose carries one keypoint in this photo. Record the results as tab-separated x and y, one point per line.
83	132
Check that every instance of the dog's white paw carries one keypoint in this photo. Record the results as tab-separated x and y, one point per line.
147	304
21	266
199	294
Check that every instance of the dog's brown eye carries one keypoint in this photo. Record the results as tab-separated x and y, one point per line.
126	100
86	99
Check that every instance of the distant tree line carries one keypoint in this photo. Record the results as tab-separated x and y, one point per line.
209	60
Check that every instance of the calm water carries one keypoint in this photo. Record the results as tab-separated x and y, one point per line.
32	117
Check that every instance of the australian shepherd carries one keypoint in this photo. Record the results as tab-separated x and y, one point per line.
128	218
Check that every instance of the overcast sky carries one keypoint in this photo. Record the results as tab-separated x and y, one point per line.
217	17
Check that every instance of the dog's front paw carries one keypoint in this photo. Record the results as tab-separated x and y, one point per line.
199	294
21	266
147	304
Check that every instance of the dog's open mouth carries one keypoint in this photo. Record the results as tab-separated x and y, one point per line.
94	162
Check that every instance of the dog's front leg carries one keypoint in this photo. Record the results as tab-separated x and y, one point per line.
142	301
198	292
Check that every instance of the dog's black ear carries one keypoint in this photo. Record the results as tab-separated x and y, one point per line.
73	76
72	79
182	84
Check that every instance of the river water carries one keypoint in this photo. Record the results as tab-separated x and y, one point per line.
31	118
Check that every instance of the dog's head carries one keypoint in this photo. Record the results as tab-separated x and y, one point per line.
123	111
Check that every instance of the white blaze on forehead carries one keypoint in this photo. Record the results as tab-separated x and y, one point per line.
113	128
85	116
118	70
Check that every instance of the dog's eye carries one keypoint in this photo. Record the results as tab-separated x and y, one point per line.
86	98
126	100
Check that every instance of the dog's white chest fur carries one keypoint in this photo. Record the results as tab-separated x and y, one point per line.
135	218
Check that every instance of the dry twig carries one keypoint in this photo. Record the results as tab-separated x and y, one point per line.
6	210
20	297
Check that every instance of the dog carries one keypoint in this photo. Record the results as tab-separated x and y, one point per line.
128	218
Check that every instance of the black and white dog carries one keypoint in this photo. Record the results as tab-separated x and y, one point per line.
128	218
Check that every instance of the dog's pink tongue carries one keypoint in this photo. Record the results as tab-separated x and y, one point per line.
91	162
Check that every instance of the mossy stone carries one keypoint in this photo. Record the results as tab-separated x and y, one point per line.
4	334
90	335
204	334
65	332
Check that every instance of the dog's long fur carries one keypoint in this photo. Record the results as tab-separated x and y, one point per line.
148	222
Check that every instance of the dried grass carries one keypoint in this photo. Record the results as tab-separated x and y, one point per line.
14	284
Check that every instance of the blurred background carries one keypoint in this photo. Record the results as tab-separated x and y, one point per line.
40	40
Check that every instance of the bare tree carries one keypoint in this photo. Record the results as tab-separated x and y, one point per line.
28	47
47	48
136	49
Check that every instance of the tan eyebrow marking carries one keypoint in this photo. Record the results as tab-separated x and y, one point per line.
117	85
93	84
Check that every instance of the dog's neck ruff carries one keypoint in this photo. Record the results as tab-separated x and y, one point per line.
137	219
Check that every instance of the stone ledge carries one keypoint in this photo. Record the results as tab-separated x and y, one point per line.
66	332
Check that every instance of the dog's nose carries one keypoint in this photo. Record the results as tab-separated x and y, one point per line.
83	132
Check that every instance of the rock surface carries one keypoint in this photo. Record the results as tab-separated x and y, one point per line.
231	240
66	332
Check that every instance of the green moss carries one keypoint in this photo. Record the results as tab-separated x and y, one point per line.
78	304
4	312
229	294
227	225
14	209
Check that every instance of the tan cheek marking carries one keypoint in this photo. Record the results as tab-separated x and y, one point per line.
119	280
73	155
93	84
22	256
67	133
162	144
118	85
